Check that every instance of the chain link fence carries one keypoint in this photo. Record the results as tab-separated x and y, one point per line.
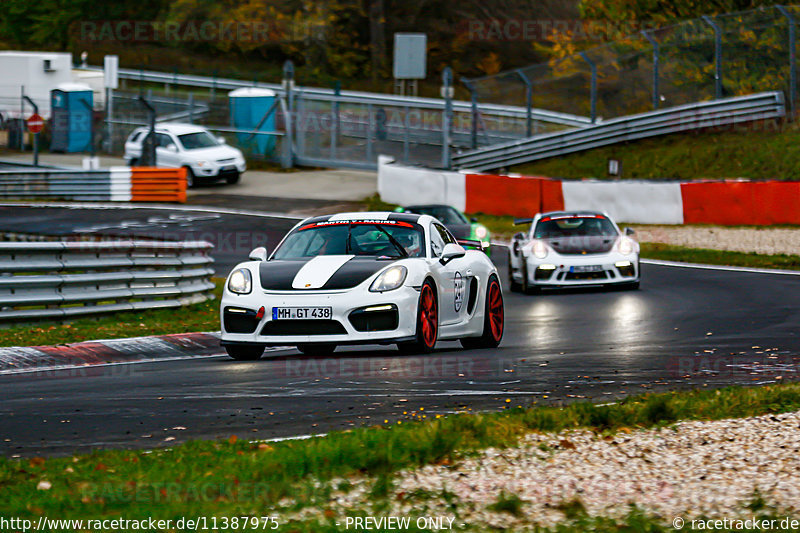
697	60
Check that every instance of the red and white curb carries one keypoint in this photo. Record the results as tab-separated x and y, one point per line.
23	359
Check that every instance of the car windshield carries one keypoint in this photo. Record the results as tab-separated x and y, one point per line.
585	226
200	139
447	215
379	238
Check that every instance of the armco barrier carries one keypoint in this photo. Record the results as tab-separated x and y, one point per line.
75	278
700	115
730	202
116	184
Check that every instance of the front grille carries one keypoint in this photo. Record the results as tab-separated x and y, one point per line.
585	275
224	161
240	322
303	327
541	274
363	320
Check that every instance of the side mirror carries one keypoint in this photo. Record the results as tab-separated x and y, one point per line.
473	220
172	148
515	246
222	140
258	254
629	231
452	251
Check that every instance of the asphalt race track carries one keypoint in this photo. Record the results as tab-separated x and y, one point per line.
684	328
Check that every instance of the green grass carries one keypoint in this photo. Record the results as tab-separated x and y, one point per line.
669	252
197	317
508	503
234	476
374	203
763	150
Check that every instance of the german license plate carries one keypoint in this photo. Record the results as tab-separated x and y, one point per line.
301	313
586	268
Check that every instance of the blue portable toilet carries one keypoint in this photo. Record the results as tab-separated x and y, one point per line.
249	105
71	105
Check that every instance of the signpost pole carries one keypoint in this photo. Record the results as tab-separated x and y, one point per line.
35	124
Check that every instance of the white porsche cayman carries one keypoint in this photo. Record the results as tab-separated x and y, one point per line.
362	278
565	249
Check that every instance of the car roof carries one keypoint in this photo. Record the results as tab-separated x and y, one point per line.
176	128
573	214
370	215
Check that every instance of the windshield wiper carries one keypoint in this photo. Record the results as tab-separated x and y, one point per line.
397	245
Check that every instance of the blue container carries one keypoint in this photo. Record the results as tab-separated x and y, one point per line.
71	105
249	107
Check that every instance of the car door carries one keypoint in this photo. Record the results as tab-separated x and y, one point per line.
164	156
133	145
451	278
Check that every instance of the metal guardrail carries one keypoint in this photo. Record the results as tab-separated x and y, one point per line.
713	113
354	97
76	278
121	184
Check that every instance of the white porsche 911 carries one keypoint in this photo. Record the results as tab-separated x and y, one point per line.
567	249
362	278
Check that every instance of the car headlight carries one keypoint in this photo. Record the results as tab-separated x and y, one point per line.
540	249
625	246
390	279
240	282
481	232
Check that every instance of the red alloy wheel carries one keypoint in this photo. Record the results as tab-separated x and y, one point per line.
496	310
428	317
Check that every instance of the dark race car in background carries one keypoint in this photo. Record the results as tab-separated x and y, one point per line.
454	220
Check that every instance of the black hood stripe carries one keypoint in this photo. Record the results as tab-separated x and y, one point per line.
355	272
279	275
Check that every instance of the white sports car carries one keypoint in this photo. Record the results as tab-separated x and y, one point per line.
567	249
362	278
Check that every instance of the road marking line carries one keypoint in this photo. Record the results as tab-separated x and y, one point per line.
659	262
202	209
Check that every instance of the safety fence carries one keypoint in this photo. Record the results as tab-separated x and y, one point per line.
706	58
116	184
725	202
75	278
700	115
327	127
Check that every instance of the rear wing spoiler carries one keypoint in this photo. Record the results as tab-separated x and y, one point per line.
521	221
480	245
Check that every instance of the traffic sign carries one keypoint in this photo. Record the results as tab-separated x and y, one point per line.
35	123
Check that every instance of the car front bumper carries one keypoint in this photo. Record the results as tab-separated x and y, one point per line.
213	170
590	269
351	310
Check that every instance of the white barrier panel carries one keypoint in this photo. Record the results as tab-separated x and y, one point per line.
120	184
409	185
630	201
